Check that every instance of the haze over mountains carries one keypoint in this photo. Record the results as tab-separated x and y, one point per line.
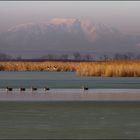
65	35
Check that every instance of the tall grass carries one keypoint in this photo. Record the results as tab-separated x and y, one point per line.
37	66
107	68
110	69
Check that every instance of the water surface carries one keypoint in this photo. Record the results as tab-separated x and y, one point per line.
79	115
106	120
65	80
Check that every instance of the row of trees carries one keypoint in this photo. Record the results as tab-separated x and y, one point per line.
74	56
79	56
4	56
121	56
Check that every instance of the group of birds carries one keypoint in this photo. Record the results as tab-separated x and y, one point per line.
35	89
24	89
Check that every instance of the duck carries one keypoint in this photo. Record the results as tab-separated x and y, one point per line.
85	88
33	88
46	88
9	89
22	89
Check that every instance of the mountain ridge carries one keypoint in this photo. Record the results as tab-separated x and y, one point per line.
65	35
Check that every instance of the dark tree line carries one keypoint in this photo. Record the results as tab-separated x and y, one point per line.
87	56
74	56
5	56
79	56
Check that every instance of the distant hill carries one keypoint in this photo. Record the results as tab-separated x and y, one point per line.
65	35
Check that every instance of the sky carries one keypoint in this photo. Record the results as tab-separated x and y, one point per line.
122	15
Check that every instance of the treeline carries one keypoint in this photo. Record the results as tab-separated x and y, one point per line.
77	56
74	56
4	56
87	56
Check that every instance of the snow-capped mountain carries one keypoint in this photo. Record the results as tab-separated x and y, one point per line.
64	35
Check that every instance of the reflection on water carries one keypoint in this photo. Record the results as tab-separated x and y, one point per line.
65	80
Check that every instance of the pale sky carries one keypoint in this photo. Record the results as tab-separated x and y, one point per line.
123	15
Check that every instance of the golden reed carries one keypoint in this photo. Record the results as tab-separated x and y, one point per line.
120	68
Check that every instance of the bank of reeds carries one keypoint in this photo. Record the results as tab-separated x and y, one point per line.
37	66
108	68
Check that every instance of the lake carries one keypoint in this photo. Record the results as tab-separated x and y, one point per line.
87	118
73	120
65	80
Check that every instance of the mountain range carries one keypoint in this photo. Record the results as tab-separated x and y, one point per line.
65	35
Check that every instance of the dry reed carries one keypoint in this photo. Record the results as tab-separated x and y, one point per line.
107	68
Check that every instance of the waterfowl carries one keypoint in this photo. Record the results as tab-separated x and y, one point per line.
22	89
9	89
85	88
46	88
33	88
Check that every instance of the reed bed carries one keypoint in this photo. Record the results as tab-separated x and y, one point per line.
38	66
110	69
106	68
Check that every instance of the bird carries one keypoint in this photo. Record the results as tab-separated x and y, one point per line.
85	88
22	89
33	88
46	88
9	89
